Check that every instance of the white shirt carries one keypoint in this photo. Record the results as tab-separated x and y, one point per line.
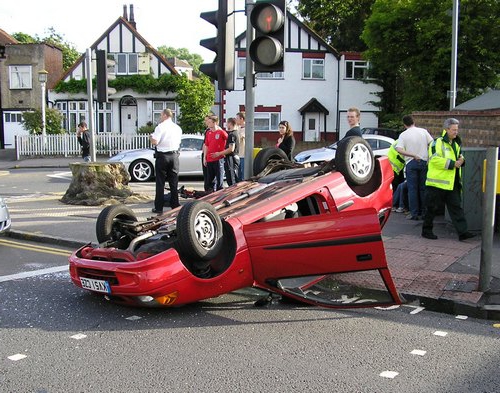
415	140
168	135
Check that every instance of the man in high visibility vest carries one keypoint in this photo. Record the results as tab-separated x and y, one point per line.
444	181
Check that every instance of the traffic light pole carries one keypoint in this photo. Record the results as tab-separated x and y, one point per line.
249	96
88	63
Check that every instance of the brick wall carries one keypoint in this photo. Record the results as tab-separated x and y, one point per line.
477	128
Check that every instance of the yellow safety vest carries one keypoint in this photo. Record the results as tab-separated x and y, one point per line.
441	166
397	161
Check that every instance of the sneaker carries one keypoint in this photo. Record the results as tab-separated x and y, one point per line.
429	235
410	217
465	236
393	209
400	210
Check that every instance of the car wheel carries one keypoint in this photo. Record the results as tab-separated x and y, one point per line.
141	170
264	156
199	231
354	159
108	222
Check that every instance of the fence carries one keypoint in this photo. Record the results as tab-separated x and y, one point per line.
67	144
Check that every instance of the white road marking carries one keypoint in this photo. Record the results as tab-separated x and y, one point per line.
133	318
78	336
417	309
34	273
463	317
388	308
389	374
440	333
16	357
418	352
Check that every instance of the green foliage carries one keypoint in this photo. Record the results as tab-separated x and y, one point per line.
409	48
147	129
70	54
193	59
32	121
339	22
195	98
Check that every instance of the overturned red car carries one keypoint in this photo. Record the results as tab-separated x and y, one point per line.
312	234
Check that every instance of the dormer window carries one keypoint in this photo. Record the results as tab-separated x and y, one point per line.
127	63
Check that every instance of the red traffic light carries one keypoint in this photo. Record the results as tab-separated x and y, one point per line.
267	18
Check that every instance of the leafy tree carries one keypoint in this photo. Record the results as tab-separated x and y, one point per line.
32	121
70	54
339	22
195	98
409	48
193	59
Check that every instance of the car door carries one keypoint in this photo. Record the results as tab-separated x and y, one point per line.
190	156
332	259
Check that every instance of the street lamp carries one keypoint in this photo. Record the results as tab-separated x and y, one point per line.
42	78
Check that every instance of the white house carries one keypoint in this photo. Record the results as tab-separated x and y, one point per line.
313	93
127	110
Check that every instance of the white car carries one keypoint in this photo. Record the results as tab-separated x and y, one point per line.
140	163
380	146
4	216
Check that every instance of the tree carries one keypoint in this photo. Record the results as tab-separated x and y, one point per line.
409	48
339	22
193	59
70	54
32	121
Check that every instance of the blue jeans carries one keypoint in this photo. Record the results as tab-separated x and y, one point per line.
241	173
399	195
416	173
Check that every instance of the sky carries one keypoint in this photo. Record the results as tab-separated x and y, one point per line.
161	22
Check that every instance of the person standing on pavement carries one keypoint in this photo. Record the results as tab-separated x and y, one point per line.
286	141
353	117
444	181
166	139
83	136
413	144
230	154
215	143
240	122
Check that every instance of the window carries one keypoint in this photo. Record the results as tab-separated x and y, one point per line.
76	114
158	106
242	67
356	69
104	117
126	63
13	117
266	121
20	77
313	68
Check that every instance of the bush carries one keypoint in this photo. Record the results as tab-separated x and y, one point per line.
32	122
147	129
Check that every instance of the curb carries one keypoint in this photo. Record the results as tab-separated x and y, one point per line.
35	237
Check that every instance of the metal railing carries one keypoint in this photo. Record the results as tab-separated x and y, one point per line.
67	144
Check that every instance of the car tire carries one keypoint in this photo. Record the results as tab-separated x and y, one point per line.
354	159
107	225
264	156
199	231
141	171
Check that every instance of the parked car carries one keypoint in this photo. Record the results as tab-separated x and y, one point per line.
379	144
4	216
312	234
140	163
390	132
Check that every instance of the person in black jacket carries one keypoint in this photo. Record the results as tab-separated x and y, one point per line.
83	136
286	141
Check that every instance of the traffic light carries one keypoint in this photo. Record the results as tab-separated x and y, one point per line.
222	69
105	69
267	50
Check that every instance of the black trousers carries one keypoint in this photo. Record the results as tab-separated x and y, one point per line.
167	170
214	179
434	199
231	169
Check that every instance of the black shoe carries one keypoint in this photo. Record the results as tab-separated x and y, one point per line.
465	236
157	211
429	235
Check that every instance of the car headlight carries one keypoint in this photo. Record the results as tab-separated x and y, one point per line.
118	157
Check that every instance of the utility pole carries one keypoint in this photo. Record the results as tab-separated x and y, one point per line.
88	64
454	51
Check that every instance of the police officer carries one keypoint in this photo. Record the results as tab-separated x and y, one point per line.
444	181
167	140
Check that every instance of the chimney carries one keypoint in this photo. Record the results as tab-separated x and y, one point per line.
125	16
132	21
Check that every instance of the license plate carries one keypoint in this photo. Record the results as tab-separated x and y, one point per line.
95	285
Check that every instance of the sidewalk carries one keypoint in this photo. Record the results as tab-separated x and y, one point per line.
441	274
